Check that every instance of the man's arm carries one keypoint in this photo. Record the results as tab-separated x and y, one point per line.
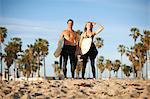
61	37
77	39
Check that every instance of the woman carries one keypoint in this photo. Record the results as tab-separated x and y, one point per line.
92	53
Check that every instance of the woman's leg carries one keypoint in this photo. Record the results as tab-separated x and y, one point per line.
93	66
84	65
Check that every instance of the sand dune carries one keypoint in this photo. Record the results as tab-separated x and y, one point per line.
75	89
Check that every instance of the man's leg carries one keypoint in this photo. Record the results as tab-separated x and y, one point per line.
73	64
65	59
60	61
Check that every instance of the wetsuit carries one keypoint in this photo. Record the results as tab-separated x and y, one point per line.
68	50
91	54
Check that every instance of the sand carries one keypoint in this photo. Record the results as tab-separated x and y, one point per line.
75	89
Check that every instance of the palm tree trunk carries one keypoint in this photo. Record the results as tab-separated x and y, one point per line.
1	61
121	69
148	64
15	70
140	75
100	75
134	75
17	73
133	65
44	69
8	73
31	71
89	72
146	71
116	74
109	74
38	66
5	74
97	72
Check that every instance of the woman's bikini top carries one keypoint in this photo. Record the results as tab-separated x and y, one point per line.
92	36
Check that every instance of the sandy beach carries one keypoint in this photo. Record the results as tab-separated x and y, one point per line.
75	89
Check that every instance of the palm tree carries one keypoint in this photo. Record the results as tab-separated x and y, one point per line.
140	53
121	49
11	50
100	65
42	46
38	53
131	56
79	32
32	59
57	69
116	66
78	60
3	35
18	45
126	70
99	43
135	34
138	57
109	66
145	39
19	66
78	35
44	53
27	62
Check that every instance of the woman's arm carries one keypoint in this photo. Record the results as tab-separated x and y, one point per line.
100	28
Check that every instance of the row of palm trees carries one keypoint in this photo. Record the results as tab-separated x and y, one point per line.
33	58
138	54
112	66
26	61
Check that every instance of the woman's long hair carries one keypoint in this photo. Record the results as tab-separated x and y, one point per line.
85	29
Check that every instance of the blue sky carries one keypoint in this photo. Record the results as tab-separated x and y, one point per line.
31	19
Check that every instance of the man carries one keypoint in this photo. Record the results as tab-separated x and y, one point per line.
69	47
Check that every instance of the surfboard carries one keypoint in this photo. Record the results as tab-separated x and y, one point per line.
59	48
85	45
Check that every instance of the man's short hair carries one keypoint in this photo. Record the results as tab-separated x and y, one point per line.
70	20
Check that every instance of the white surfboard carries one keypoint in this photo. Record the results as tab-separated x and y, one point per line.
85	45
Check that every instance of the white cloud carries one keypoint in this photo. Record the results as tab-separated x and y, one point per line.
36	25
31	29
